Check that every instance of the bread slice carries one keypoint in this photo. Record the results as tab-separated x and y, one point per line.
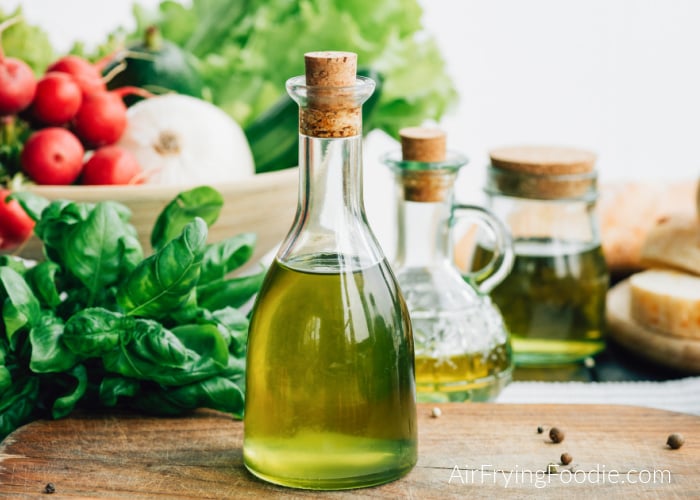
666	301
680	354
673	241
628	210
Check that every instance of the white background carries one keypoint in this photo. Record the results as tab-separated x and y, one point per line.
619	77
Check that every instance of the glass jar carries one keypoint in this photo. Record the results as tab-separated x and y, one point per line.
462	348
553	301
330	390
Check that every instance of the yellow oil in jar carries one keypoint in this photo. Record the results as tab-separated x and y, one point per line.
330	400
473	376
553	301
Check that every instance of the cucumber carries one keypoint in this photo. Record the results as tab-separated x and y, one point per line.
156	65
274	135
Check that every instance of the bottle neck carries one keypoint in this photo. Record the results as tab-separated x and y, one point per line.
423	229
330	217
331	181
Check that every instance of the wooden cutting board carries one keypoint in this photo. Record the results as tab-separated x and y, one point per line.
476	450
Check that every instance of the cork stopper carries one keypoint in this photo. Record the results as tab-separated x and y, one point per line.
332	110
425	145
330	69
543	172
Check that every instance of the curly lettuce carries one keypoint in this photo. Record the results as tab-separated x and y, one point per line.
247	49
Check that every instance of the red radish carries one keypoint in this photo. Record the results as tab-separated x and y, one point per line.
15	225
110	165
53	156
101	119
57	100
87	75
17	82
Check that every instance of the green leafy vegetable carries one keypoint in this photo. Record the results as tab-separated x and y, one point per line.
223	257
203	202
166	280
95	324
49	353
246	50
75	389
26	42
20	308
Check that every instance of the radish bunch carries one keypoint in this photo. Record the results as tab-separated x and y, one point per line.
73	111
73	117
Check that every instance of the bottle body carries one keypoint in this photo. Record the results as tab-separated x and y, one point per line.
462	348
330	389
332	403
553	301
461	345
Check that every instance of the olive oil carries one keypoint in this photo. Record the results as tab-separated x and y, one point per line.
330	391
553	301
472	376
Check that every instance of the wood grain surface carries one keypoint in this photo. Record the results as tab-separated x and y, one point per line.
472	450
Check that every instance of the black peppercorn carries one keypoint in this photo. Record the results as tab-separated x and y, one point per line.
556	435
675	441
566	458
540	429
49	488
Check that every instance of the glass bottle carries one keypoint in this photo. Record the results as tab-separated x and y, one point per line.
462	347
330	394
553	301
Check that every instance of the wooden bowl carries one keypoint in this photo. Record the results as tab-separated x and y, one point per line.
265	205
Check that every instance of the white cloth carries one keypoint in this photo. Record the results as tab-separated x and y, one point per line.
682	395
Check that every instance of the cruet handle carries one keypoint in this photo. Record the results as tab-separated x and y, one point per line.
499	266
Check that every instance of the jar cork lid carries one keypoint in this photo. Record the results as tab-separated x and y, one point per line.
428	177
543	160
543	172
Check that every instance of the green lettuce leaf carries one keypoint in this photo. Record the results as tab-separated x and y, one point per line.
247	50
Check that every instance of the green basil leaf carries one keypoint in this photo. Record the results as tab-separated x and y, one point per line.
206	340
233	292
21	308
49	353
5	379
218	393
222	257
76	387
32	203
204	202
113	388
42	279
14	262
148	351
17	404
56	220
95	331
92	250
235	324
165	281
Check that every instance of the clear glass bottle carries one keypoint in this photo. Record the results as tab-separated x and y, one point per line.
330	391
553	301
462	347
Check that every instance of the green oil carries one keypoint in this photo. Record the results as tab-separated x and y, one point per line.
553	301
473	376
330	401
